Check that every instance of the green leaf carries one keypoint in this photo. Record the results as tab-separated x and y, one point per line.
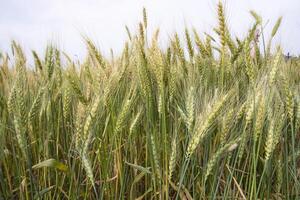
140	168
42	192
136	180
51	163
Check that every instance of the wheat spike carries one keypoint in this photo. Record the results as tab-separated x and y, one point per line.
36	105
226	126
123	115
145	18
273	136
260	119
276	27
67	102
274	68
222	27
155	156
189	43
172	161
201	130
190	107
135	122
279	174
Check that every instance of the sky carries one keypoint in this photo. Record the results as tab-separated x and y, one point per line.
36	23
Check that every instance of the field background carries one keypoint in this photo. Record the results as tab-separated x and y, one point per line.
205	118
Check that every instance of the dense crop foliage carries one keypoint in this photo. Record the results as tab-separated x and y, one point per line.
205	118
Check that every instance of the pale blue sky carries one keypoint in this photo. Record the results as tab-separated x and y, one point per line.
34	23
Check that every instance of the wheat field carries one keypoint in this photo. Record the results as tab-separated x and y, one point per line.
205	118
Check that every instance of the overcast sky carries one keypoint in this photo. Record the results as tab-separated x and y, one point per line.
34	23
